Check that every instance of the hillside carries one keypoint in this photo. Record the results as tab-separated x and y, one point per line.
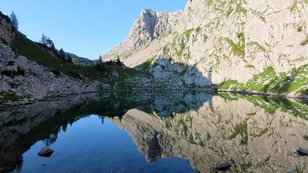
31	71
224	41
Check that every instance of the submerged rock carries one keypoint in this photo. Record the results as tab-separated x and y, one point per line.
45	152
302	152
223	166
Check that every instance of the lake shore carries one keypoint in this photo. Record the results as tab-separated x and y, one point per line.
266	94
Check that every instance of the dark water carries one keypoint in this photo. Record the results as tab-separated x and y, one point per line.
155	132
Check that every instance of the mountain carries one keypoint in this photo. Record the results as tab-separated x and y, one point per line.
31	71
80	60
227	42
250	132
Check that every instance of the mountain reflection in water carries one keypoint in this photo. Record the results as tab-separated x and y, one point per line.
254	134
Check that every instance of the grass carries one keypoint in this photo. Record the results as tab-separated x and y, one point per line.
23	46
227	96
182	39
228	84
304	42
260	81
294	81
237	49
9	97
250	66
240	129
294	6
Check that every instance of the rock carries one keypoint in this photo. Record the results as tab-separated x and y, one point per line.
45	152
302	152
7	32
115	74
75	90
223	166
25	78
235	46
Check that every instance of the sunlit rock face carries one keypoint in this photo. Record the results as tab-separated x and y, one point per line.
252	135
230	39
149	26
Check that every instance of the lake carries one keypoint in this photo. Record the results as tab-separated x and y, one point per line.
165	132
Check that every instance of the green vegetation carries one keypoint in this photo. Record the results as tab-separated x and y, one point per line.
259	15
271	104
48	58
229	11
182	73
261	133
241	9
257	45
209	2
304	42
181	40
228	84
240	129
228	96
250	66
269	81
9	97
260	81
294	6
238	49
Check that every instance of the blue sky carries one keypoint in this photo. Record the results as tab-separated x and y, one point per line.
84	27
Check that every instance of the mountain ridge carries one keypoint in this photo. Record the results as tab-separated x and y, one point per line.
232	40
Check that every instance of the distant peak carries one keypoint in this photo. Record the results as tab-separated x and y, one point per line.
147	11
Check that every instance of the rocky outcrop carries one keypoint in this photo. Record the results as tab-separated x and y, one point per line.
224	39
7	31
237	131
149	26
24	80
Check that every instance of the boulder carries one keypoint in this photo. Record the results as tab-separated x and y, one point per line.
45	152
223	166
302	152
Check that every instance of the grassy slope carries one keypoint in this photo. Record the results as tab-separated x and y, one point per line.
23	46
295	81
271	105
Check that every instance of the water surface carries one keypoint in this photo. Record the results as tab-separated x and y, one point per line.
155	132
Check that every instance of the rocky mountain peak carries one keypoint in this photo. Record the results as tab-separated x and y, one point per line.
142	30
146	28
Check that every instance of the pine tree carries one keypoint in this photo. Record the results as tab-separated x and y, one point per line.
43	39
62	54
47	42
14	20
100	59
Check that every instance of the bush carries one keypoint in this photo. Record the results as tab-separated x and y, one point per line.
56	72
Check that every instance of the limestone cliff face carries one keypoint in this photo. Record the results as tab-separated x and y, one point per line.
248	136
28	81
229	39
7	31
149	26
